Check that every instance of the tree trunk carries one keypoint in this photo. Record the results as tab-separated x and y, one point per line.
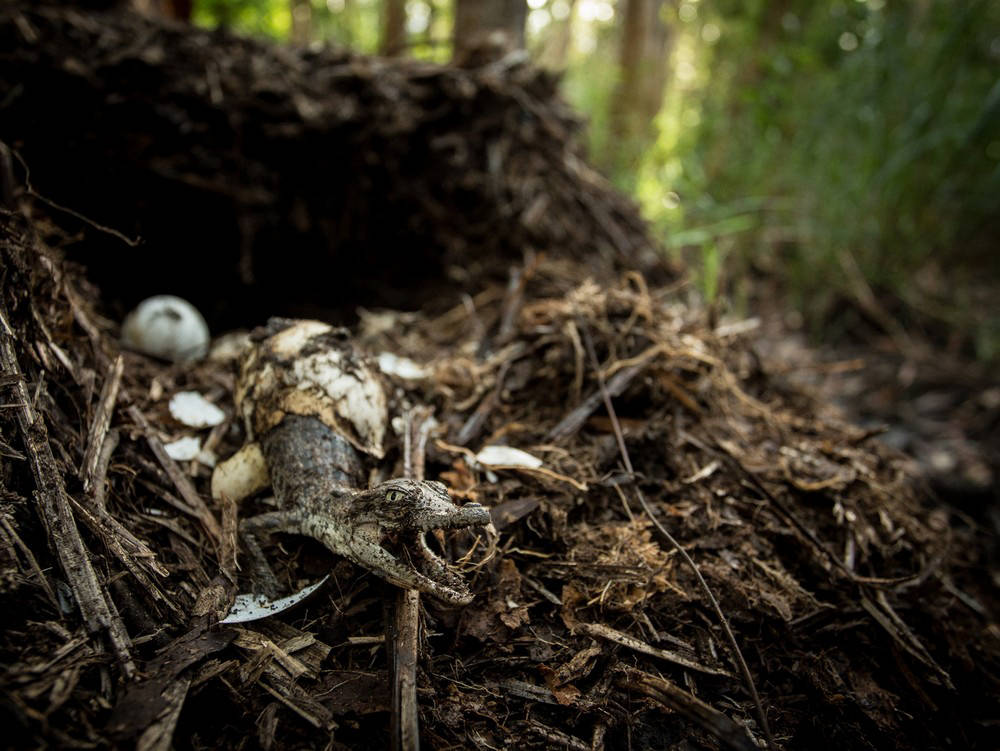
176	9
557	50
645	49
180	9
393	40
301	22
496	24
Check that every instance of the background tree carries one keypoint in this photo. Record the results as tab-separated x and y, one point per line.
302	13
556	51
393	41
475	20
643	65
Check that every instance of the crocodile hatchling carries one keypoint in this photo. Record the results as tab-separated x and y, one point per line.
311	402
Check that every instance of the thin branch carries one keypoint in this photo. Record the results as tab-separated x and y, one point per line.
30	190
184	486
101	422
404	623
658	688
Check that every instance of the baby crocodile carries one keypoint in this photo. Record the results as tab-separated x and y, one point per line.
311	403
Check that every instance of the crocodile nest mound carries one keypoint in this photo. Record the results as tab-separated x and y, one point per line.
250	169
859	608
688	552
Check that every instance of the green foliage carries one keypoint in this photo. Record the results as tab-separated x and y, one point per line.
589	83
353	23
258	17
799	132
430	24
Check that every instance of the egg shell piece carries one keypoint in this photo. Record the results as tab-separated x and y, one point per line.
241	475
183	449
253	607
310	369
290	341
402	367
507	456
194	410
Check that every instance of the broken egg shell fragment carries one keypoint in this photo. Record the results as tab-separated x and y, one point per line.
167	327
208	458
507	456
253	607
311	369
229	347
402	367
241	475
290	342
183	449
194	410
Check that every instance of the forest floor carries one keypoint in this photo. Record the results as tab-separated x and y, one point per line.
939	407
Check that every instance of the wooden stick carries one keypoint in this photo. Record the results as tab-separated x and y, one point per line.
179	479
686	704
404	646
108	446
600	631
404	624
102	421
615	385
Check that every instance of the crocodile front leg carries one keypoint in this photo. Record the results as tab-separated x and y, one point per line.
263	524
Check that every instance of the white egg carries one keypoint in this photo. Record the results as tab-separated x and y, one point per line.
168	327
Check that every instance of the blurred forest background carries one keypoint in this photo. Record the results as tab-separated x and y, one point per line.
842	156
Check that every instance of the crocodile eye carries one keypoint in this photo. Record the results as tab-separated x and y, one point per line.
394	495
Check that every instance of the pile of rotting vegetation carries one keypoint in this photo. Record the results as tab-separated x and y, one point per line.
861	611
311	175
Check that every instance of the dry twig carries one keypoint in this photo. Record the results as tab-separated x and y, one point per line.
99	614
404	624
101	422
688	705
196	506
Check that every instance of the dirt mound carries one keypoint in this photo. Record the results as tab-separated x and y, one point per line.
326	178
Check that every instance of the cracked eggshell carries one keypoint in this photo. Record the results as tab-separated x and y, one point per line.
167	327
183	449
194	410
230	347
241	475
253	607
507	456
312	369
402	367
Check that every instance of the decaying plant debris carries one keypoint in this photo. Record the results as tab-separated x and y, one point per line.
863	610
857	606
